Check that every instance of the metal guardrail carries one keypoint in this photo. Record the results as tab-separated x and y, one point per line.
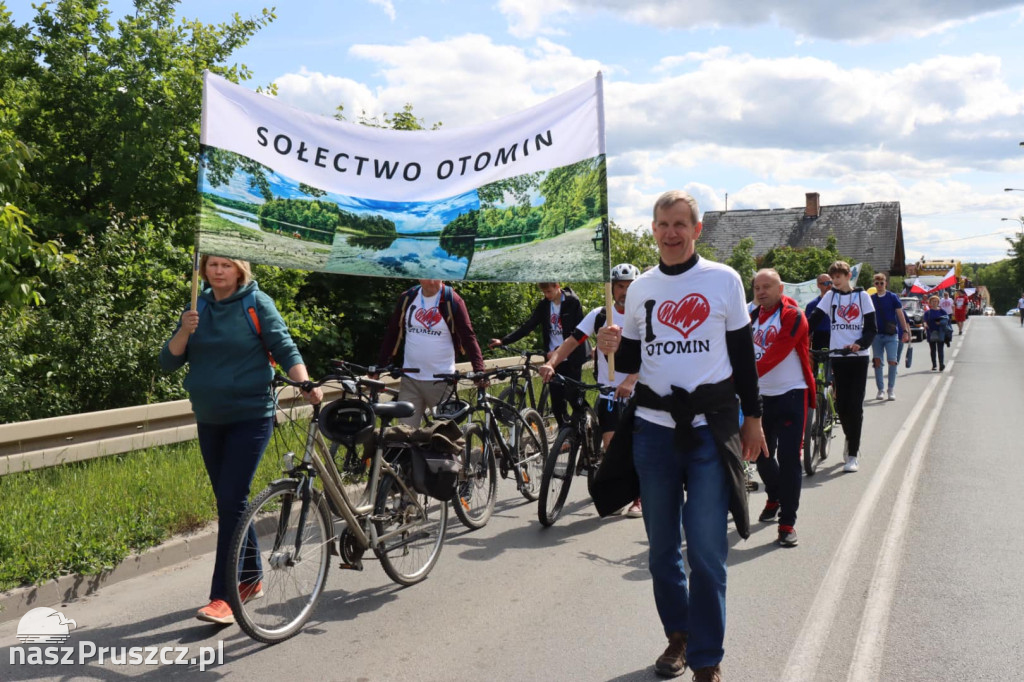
42	443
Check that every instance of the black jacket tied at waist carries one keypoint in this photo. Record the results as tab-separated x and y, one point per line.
616	477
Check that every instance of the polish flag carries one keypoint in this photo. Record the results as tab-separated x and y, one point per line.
947	281
917	287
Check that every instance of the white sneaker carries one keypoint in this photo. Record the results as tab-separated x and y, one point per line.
881	395
851	465
892	394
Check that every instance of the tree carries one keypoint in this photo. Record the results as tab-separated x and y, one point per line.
22	258
114	111
742	261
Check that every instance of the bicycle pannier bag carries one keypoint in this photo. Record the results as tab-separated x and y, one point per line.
435	473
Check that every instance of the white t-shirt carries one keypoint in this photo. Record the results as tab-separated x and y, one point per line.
786	376
555	324
680	322
947	305
428	341
586	326
846	311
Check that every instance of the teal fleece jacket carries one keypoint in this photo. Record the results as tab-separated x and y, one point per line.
229	376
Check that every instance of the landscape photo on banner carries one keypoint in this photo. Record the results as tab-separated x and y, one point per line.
520	199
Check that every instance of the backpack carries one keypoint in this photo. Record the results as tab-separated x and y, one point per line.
252	316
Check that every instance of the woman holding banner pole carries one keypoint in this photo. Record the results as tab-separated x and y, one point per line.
228	337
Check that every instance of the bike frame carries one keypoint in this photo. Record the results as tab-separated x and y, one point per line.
317	462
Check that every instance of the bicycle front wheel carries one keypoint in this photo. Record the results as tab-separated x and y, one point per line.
282	555
419	524
559	470
826	427
531	449
811	442
478	482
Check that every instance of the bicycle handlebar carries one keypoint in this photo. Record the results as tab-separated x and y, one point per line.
820	353
600	388
394	371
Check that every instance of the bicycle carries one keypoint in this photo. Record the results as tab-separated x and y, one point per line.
520	392
576	450
521	450
819	429
286	536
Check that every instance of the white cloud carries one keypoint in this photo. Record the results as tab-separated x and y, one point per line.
854	21
387	6
783	126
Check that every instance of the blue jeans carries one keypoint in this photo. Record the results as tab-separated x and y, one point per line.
886	346
697	606
231	453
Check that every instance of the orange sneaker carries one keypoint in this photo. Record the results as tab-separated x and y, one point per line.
249	592
216	611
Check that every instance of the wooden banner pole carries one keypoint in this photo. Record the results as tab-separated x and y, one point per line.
609	307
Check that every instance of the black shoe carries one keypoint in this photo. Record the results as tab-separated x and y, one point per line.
770	510
942	367
787	536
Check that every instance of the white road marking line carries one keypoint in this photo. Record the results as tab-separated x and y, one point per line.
803	661
867	656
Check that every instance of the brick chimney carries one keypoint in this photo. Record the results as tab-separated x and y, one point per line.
813	207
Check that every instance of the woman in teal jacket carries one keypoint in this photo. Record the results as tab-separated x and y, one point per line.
228	382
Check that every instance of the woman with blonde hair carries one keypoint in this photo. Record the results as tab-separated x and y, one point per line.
228	382
936	320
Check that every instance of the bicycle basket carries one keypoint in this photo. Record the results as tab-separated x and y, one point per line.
349	422
435	473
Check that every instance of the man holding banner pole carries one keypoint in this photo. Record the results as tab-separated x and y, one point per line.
687	333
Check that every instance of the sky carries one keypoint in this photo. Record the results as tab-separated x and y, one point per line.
750	103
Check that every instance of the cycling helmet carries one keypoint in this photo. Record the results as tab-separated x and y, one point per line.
348	422
625	272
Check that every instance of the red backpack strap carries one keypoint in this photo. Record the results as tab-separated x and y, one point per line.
253	317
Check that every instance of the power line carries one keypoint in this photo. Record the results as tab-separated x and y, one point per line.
960	239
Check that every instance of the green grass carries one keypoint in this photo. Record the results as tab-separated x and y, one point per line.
87	517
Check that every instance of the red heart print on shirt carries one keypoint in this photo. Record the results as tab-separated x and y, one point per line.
848	312
428	317
686	314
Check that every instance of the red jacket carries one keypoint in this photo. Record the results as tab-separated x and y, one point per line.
793	320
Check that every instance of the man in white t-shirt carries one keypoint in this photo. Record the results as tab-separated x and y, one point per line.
946	304
687	333
608	407
432	321
784	377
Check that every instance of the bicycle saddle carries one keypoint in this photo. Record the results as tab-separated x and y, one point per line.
393	409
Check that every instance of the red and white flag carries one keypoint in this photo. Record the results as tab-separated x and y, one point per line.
917	287
947	281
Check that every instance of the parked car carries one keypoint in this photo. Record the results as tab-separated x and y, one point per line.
1012	312
914	312
989	311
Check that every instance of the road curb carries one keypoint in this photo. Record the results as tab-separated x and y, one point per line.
16	603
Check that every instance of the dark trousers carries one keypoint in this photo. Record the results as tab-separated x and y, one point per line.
231	453
572	370
783	421
934	346
850	374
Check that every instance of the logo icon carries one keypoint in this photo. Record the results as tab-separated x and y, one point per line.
428	317
556	323
686	314
44	625
764	338
848	312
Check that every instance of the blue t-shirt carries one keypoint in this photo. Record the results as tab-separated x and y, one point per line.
885	310
826	324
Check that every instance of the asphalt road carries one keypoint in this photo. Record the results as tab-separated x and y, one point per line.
907	570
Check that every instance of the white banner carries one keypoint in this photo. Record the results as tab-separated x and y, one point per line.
523	198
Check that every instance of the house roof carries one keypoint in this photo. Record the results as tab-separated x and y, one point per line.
868	233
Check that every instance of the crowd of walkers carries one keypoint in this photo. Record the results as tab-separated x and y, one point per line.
703	382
